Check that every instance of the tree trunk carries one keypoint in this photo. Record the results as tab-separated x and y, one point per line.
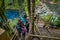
2	11
33	10
29	7
2	15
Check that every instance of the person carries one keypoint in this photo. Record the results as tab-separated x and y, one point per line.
19	28
22	18
51	25
24	31
25	16
27	25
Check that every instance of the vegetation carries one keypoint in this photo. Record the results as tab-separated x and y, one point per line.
48	18
22	5
55	0
57	22
37	2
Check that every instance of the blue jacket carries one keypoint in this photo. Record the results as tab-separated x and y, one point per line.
23	20
19	29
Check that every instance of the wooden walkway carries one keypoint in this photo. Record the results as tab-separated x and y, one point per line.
42	33
45	34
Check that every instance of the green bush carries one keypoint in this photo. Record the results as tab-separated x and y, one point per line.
12	23
57	22
48	17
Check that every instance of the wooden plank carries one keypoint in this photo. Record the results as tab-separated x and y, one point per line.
3	35
13	36
49	37
1	31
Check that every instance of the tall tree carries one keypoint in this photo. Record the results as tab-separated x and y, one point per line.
33	10
2	15
2	11
29	7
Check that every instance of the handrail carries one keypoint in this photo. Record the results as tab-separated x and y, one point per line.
49	37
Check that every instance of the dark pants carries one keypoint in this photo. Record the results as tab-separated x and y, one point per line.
24	34
27	29
19	34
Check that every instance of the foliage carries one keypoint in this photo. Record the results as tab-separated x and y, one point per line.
57	22
0	3
55	0
48	18
26	7
37	2
12	23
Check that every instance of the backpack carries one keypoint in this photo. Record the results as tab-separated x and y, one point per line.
24	30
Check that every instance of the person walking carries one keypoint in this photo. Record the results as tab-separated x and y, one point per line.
27	25
24	31
19	28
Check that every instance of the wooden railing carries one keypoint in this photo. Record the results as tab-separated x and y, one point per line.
39	36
